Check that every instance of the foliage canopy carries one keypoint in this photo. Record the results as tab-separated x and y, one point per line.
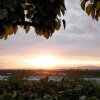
92	7
45	89
44	15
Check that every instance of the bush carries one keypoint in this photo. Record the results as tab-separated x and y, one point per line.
15	88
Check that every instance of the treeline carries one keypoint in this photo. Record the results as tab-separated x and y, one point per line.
60	72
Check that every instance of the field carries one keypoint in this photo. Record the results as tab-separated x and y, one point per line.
72	86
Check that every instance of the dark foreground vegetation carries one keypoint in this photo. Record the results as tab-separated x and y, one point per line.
60	72
16	88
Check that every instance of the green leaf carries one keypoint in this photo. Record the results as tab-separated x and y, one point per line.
3	13
83	5
6	36
14	94
93	13
46	35
58	25
10	30
15	29
39	31
27	28
63	10
64	23
88	9
1	37
98	5
10	4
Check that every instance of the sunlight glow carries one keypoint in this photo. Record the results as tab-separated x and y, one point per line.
45	62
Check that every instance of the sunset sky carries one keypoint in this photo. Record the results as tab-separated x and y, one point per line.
77	45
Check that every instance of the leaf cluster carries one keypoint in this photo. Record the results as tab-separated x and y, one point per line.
92	7
43	15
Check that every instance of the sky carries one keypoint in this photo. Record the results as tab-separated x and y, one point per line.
77	45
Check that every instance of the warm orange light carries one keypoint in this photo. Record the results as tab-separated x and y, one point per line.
44	62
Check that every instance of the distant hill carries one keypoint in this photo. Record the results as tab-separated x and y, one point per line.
89	67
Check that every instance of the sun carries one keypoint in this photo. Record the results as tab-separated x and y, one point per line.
44	62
